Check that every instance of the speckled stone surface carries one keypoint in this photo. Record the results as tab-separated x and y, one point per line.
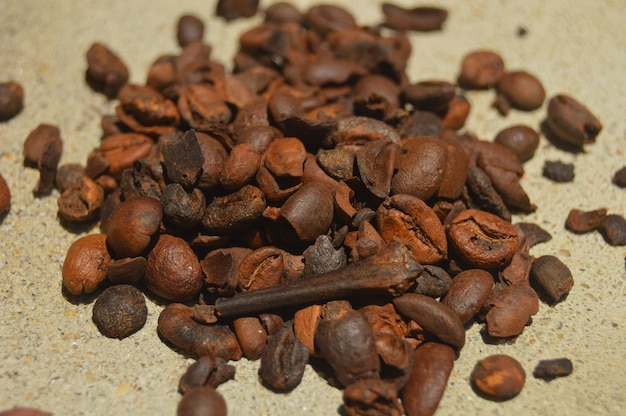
53	357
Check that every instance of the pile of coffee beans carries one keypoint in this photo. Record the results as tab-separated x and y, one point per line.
315	206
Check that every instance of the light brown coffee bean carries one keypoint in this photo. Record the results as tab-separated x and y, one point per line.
499	377
85	264
468	293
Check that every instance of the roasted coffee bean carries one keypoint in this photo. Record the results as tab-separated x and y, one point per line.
85	264
519	139
619	177
614	229
132	224
376	164
482	239
571	122
215	157
106	72
120	311
509	309
202	401
384	320
518	271
221	269
177	327
325	18
433	282
235	9
381	86
251	336
120	151
146	111
421	124
81	202
283	361
550	369
484	195
68	175
408	219
181	208
11	100
234	211
429	95
435	317
206	371
282	12
432	365
189	29
480	70
420	19
552	276
348	345
456	113
371	397
127	270
201	106
585	221
173	271
468	293
241	166
38	140
519	89
498	377
558	171
183	159
396	355
5	197
309	212
532	234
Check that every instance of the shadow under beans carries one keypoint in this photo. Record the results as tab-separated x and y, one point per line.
77	227
85	298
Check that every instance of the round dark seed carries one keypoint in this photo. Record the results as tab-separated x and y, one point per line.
120	311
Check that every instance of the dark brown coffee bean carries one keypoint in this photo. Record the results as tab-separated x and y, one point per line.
206	371
571	122
519	89
550	369
408	219
326	18
81	202
484	195
552	276
585	221
189	29
509	310
120	311
127	270
132	225
235	9
614	229
215	157
480	70
5	197
240	167
234	211
482	239
309	212
420	166
558	171
202	107
11	100
498	377
371	397
420	19
429	95
106	72
177	327
519	139
421	124
435	317
183	159
433	282
181	208
619	177
379	85
202	401
532	234
173	271
251	336
68	175
376	162
348	345
38	140
282	12
85	264
283	361
468	293
432	365
146	111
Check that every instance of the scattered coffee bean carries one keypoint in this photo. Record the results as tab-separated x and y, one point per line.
202	401
551	369
11	100
571	122
189	29
558	171
614	229
619	177
520	139
421	19
552	276
585	221
498	377
206	371
509	309
85	265
235	9
106	72
480	70
519	89
5	197
120	311
283	361
132	225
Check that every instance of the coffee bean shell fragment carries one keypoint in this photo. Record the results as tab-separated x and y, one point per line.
120	311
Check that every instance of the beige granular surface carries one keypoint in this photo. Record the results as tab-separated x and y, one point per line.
53	357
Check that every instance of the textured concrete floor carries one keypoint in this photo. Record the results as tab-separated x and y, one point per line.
53	357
